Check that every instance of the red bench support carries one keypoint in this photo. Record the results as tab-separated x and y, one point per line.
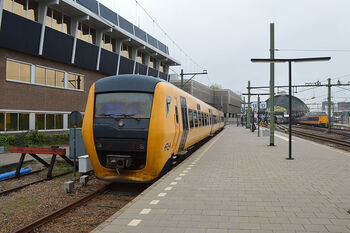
54	151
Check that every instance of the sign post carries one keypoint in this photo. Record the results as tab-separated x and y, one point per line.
75	120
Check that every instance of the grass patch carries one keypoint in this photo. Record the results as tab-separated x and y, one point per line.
19	202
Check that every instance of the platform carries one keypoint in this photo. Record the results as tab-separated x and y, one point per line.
236	183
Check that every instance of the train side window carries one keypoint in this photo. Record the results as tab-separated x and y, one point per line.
168	102
195	118
199	118
190	114
203	119
176	115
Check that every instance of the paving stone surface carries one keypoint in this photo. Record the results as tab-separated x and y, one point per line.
236	183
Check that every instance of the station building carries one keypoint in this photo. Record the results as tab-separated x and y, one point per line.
51	51
224	100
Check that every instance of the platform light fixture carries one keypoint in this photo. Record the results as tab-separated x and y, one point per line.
290	60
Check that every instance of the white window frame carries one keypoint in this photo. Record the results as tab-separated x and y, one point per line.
76	75
19	71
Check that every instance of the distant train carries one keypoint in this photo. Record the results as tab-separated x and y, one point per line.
314	118
134	125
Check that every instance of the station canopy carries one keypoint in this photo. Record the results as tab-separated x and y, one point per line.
299	108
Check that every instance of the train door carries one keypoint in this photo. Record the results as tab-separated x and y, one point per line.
211	120
177	126
184	123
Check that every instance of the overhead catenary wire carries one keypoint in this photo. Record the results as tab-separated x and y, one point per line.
173	41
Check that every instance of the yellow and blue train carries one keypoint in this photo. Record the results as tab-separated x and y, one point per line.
134	125
314	118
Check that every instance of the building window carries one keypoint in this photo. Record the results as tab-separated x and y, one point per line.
2	121
11	121
59	121
25	8
49	77
161	67
48	121
126	51
86	33
141	58
24	121
39	121
108	43
75	81
152	62
17	71
58	21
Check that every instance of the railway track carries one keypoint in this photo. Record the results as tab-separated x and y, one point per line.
119	192
317	137
8	191
33	226
335	130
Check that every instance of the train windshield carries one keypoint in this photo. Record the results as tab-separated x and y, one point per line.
124	105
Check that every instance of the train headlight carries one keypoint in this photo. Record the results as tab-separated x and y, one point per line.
121	123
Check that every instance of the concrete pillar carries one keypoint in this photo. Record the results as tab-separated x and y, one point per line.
65	121
157	67
119	46
74	26
42	19
99	35
148	58
134	56
1	9
31	121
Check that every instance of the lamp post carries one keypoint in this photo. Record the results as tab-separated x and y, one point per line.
182	74
311	59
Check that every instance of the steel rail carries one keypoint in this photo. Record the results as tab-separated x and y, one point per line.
32	183
318	137
31	227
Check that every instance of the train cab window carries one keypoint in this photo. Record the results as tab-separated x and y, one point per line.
168	102
195	118
176	115
124	104
190	114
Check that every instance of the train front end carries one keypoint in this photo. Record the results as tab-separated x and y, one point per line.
116	127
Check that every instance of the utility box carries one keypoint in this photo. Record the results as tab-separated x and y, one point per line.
84	164
2	149
79	143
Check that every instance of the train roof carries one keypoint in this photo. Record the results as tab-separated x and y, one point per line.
127	83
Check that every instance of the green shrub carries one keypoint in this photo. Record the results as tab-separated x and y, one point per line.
6	140
35	139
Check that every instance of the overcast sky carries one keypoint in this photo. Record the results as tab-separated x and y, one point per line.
222	35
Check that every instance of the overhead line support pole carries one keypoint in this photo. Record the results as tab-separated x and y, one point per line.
272	85
290	111
248	110
329	106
